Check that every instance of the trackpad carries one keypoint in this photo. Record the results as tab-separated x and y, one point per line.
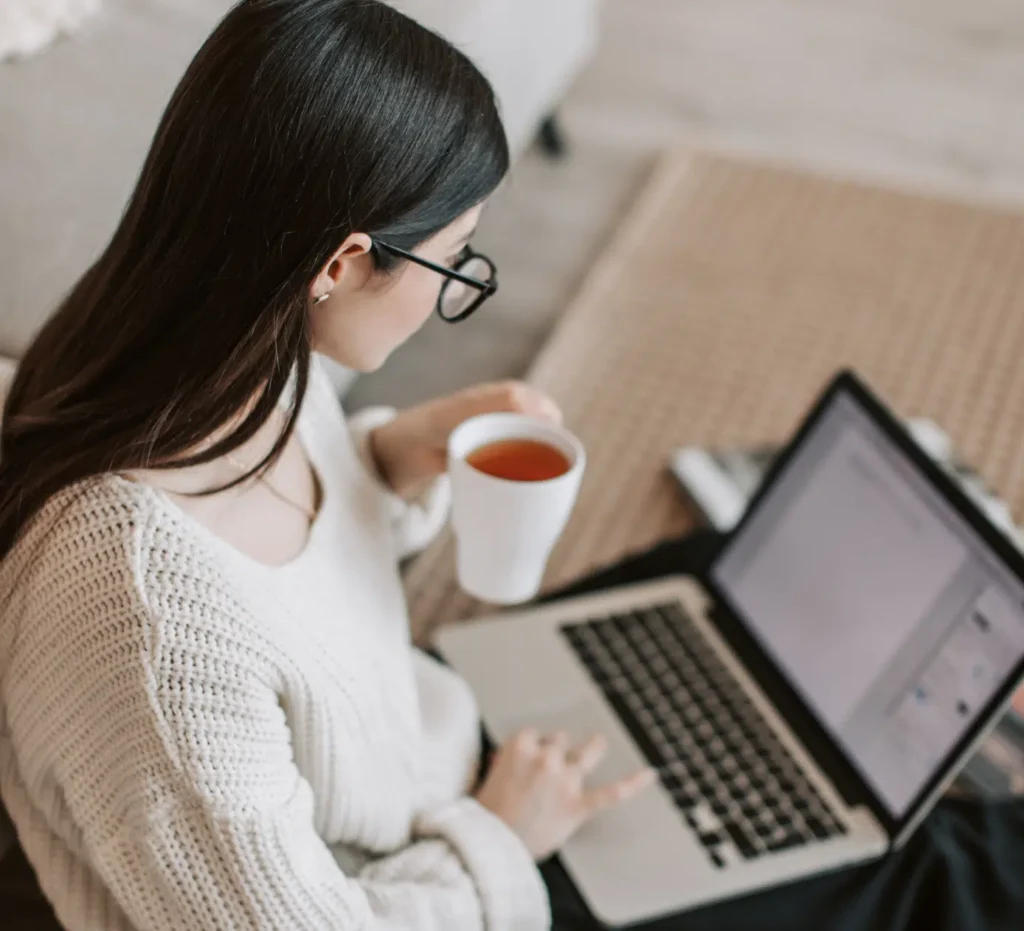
580	722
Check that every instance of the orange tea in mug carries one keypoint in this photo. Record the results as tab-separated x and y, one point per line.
520	460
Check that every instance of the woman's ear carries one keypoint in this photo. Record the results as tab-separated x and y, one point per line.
340	267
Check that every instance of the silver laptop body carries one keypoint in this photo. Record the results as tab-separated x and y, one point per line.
806	705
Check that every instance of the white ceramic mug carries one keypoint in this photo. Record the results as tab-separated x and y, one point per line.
505	530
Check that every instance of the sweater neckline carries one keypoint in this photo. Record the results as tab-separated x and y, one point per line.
197	528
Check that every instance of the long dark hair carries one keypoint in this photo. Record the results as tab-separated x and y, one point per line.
297	123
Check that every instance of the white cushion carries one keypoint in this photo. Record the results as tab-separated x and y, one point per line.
29	26
529	49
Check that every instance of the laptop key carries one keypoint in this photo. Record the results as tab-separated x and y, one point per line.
785	842
704	818
728	853
819	829
739	838
670	779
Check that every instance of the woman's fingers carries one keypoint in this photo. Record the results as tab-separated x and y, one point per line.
516	397
608	796
588	754
525	740
530	401
557	742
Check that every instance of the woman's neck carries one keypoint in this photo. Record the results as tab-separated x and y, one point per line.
196	479
266	518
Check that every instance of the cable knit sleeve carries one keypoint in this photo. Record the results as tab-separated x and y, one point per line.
217	829
416	522
258	863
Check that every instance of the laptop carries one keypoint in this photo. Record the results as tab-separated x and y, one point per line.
806	704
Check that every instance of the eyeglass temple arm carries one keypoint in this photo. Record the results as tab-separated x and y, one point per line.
488	286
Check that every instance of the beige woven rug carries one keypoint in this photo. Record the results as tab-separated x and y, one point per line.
732	293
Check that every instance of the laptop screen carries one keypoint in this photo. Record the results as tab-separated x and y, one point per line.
884	608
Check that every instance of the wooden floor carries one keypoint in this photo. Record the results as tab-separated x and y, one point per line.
920	93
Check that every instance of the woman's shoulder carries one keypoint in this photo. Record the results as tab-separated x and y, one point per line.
105	544
92	522
108	580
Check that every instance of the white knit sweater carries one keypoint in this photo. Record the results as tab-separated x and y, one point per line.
192	740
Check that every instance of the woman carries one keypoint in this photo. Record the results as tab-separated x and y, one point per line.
210	713
212	716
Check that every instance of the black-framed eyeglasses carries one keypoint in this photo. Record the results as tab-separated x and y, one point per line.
471	279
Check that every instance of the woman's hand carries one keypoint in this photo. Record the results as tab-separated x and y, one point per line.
413	448
535	785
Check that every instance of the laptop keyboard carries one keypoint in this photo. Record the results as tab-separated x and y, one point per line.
735	784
